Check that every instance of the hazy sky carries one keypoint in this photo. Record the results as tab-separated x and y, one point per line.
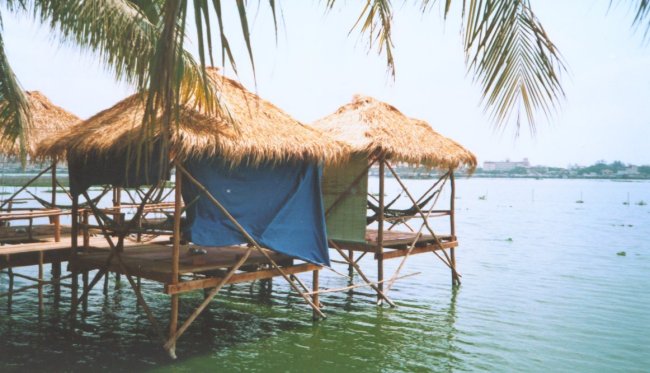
316	66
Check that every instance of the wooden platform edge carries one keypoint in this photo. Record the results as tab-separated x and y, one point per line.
186	286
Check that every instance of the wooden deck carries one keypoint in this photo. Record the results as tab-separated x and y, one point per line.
397	243
153	261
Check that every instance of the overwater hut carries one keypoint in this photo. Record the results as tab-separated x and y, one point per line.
380	135
251	194
25	240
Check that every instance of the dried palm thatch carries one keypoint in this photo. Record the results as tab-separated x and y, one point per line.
248	129
48	120
370	126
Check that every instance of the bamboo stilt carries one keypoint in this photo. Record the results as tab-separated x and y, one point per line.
56	275
10	271
73	257
55	219
86	289
315	287
40	281
173	323
380	233
455	281
172	340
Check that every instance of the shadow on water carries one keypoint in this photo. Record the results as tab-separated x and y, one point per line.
259	327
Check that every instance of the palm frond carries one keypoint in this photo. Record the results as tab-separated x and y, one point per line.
15	118
513	58
375	21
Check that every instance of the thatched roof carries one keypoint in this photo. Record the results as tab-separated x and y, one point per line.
48	120
250	128
370	126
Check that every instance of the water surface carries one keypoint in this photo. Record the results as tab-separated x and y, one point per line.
544	289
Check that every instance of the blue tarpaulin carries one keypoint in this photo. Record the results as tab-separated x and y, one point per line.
280	206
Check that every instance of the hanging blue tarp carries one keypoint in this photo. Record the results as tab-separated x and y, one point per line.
280	206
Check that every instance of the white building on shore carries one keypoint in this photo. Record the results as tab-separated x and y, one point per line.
505	166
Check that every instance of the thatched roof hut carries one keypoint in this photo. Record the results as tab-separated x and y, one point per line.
370	126
48	120
249	128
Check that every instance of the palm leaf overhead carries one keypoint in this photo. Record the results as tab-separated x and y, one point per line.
512	58
142	41
15	118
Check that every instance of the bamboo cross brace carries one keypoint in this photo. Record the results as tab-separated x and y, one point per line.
360	256
399	268
248	237
363	276
424	218
417	236
360	285
172	340
304	287
444	176
139	297
25	186
63	188
115	252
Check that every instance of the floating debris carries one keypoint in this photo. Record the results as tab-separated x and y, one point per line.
642	203
621	253
509	239
482	198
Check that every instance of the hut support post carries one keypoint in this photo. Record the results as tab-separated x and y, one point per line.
56	276
248	237
314	298
173	321
380	233
56	219
74	232
40	281
455	281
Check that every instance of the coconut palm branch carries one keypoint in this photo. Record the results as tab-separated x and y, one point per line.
15	118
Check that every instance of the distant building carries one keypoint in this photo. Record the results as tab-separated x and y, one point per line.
505	166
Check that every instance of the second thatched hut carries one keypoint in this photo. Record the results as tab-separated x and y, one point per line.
380	135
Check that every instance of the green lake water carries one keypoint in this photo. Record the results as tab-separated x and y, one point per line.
544	289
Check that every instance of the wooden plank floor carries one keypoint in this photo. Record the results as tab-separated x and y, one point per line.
397	241
153	260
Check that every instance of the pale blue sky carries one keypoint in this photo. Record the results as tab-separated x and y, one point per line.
316	67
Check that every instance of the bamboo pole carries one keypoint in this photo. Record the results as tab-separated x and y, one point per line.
315	287
8	200
424	219
11	286
452	223
86	289
56	218
173	323
351	287
73	255
40	281
380	232
171	342
380	293
56	276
